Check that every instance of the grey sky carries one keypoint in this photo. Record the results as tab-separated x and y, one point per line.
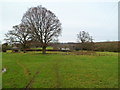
100	19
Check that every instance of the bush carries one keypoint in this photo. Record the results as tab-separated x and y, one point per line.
6	47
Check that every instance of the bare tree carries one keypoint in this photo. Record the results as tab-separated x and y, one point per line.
19	34
86	40
44	25
84	37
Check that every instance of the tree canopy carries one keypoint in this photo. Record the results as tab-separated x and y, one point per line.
44	25
38	24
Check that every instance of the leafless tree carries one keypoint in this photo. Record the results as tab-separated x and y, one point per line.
44	25
86	40
20	35
84	37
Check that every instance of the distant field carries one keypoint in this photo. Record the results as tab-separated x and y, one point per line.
48	48
60	70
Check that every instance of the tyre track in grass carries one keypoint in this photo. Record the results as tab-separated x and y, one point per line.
28	86
32	79
26	70
27	74
57	74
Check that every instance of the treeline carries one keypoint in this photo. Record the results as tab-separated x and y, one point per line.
96	46
107	46
100	46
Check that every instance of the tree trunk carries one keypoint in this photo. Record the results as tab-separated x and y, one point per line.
44	50
24	50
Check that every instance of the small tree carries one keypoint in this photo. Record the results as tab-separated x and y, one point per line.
86	40
19	35
44	25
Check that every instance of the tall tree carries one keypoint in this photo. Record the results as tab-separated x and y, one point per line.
44	25
20	34
86	40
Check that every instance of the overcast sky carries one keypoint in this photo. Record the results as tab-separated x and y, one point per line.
100	19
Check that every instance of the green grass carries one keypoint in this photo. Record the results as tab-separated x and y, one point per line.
60	70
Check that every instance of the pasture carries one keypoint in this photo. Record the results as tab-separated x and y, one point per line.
60	70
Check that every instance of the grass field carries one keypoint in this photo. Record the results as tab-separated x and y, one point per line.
60	70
